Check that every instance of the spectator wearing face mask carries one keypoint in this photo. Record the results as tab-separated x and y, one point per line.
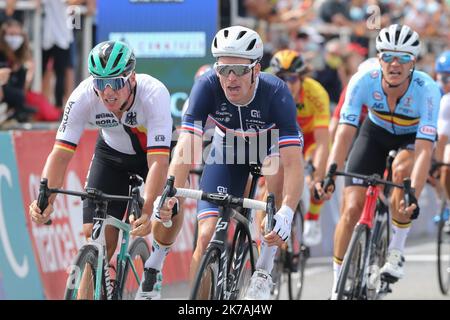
15	55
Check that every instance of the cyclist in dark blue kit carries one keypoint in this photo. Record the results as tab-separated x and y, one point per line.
248	108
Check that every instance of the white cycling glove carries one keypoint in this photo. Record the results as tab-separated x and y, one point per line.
283	219
167	224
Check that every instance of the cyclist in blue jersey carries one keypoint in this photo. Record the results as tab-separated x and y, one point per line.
403	106
442	153
248	108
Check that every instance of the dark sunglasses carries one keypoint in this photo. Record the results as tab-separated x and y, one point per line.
116	83
292	78
444	78
402	58
238	69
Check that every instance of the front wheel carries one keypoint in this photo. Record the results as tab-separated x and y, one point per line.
296	257
206	281
443	253
350	283
82	280
134	268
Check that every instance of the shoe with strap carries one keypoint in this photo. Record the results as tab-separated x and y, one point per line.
312	234
260	286
150	287
393	268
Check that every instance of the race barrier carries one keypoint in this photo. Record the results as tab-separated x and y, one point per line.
34	259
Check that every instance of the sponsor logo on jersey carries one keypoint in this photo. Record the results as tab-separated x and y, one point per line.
255	114
131	118
160	138
378	106
377	95
428	130
374	74
348	117
407	102
62	127
106	123
420	82
223	107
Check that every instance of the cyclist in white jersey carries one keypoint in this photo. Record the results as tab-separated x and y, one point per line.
403	105
442	153
132	112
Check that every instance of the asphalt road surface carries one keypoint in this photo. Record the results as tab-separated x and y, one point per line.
420	281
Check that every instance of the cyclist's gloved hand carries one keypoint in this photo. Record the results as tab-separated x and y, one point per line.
413	200
283	220
168	210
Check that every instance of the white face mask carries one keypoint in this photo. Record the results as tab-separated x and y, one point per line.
14	41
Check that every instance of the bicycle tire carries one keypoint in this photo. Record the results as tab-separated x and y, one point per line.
129	285
278	275
443	254
350	283
297	258
87	255
209	269
378	255
241	270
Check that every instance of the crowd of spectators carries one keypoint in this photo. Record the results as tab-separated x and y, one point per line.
18	102
334	36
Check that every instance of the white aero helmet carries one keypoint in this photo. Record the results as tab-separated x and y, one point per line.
237	41
398	37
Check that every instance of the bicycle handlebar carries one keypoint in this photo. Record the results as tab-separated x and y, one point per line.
137	201
220	199
373	180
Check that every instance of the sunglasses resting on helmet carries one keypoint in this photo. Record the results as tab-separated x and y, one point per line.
116	83
238	69
402	58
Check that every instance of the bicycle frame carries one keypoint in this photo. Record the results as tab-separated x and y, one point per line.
98	239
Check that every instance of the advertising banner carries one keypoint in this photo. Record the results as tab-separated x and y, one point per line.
19	276
56	245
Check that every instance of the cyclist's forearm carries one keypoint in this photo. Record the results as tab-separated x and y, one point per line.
187	147
293	177
422	162
344	137
155	181
55	169
320	158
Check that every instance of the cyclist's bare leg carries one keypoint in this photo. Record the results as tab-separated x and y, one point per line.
206	229
85	290
167	236
401	168
352	206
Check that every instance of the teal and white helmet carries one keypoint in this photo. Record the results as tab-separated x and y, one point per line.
110	59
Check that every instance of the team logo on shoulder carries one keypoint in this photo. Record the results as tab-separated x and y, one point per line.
428	130
374	74
377	95
160	138
131	118
420	82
